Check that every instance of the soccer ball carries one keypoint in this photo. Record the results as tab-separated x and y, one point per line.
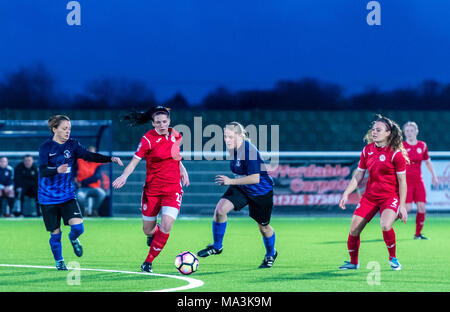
186	262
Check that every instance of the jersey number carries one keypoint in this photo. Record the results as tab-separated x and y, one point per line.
394	203
178	198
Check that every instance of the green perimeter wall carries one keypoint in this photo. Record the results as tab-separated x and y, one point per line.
299	130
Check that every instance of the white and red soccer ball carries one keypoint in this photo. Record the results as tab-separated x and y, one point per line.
186	262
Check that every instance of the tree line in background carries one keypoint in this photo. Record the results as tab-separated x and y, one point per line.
34	87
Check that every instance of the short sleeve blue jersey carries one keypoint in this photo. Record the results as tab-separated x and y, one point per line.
58	188
247	161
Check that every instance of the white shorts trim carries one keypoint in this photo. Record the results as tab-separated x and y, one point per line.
145	218
170	211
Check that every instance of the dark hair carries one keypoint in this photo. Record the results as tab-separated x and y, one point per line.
135	118
54	121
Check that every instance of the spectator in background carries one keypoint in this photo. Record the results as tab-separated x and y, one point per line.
26	183
6	186
88	178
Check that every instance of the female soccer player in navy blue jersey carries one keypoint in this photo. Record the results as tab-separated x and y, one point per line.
56	192
251	186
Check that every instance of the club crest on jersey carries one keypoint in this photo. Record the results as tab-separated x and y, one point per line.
419	150
67	154
238	162
382	158
172	138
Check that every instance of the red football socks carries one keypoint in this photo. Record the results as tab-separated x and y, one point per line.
389	239
420	219
158	243
353	248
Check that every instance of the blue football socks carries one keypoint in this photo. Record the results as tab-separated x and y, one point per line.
218	233
75	231
269	243
56	246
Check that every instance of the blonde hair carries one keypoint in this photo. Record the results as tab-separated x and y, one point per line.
55	121
239	129
394	140
411	124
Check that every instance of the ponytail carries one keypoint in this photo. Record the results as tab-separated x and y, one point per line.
136	118
239	129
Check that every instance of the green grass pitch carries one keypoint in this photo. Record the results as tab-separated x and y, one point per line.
310	251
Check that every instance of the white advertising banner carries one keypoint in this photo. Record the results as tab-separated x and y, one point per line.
438	198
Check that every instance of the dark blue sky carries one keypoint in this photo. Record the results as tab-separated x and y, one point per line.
195	46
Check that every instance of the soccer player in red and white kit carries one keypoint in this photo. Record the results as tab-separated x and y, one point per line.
162	192
417	152
385	159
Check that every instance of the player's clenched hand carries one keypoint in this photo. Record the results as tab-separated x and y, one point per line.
343	201
402	213
184	178
222	180
117	161
62	168
435	181
119	182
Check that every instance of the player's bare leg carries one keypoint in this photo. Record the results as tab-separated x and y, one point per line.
223	207
149	228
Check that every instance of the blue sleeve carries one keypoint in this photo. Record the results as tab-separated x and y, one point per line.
80	150
43	155
253	160
253	167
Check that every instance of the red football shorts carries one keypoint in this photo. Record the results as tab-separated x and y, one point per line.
166	203
416	192
367	209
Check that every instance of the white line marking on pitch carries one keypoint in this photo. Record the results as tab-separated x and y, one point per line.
193	283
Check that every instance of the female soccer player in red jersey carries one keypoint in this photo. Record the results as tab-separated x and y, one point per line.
162	190
417	151
385	158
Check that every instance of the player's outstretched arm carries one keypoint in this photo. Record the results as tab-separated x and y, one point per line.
100	158
121	180
250	179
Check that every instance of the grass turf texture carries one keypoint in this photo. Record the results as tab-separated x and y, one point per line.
310	251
